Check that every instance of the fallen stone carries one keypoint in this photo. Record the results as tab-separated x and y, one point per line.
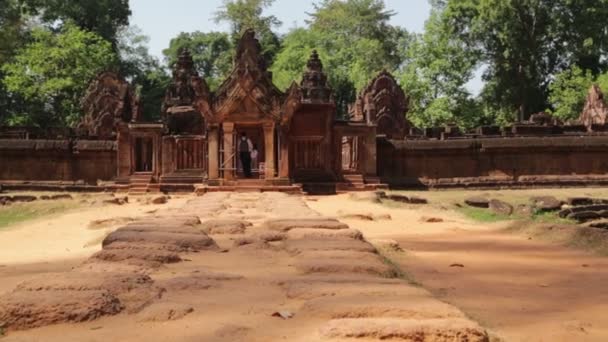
478	202
23	198
547	203
117	201
500	207
431	219
405	329
304	245
283	314
399	198
61	197
355	263
418	200
585	216
159	200
388	244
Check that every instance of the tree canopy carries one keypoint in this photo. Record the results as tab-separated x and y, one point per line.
532	55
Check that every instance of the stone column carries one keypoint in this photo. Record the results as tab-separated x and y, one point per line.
229	156
269	144
284	150
213	147
123	153
370	153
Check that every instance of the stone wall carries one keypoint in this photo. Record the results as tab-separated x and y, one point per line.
516	161
57	160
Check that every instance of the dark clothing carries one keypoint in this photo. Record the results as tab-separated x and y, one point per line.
246	161
243	145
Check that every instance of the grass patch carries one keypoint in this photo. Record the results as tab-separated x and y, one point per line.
483	215
22	212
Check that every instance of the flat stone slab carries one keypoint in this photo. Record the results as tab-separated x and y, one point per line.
285	225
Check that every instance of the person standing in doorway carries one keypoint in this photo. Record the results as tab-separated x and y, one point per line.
245	148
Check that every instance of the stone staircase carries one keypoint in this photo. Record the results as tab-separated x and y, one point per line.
357	182
249	185
142	184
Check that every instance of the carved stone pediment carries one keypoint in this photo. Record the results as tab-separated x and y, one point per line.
384	104
314	83
595	111
187	99
249	88
108	100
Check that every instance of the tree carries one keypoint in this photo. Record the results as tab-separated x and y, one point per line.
104	17
525	43
248	14
52	72
437	65
568	92
211	52
354	40
143	70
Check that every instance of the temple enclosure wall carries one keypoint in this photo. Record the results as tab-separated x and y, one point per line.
491	162
57	160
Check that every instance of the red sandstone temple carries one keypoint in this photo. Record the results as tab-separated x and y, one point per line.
301	142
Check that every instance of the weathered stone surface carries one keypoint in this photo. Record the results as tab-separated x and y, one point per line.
225	226
137	256
159	200
478	202
500	207
319	223
547	203
584	216
584	208
405	329
313	233
399	198
595	111
22	310
23	198
336	244
183	242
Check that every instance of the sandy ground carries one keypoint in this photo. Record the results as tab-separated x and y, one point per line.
335	286
67	236
518	289
521	289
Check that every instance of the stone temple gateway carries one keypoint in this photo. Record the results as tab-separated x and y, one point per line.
295	132
301	142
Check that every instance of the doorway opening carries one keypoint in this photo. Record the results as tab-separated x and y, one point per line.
257	156
144	155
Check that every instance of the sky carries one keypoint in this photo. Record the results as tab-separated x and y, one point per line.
162	20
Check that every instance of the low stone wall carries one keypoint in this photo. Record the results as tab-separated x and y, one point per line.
491	162
57	160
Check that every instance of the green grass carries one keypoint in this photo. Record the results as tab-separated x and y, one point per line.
551	217
484	215
22	212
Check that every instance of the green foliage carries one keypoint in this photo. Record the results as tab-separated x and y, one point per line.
52	72
437	66
211	52
568	92
354	40
483	215
104	17
525	43
248	14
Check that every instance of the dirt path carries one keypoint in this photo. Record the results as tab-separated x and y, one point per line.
168	278
523	290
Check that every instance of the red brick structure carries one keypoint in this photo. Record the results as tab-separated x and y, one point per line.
300	141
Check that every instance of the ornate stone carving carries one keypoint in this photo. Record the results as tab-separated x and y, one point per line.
187	99
544	119
384	104
314	83
595	111
248	92
292	103
108	101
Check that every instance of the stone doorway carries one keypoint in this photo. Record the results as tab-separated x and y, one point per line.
144	155
256	134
